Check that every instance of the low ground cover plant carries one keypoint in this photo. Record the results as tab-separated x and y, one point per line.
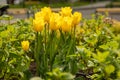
60	46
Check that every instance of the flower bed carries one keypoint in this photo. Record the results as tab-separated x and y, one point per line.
60	46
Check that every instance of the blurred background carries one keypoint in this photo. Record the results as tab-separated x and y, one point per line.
26	8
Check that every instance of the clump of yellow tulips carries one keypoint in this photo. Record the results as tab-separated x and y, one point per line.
63	20
53	30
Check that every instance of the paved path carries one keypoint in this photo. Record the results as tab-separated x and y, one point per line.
2	2
88	10
93	5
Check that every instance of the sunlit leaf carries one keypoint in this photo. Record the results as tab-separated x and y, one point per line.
118	74
109	69
101	56
0	42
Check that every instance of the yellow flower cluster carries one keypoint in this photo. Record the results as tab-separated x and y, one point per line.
63	20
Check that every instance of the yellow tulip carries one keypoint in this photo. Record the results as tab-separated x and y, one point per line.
54	21
38	15
66	24
46	9
66	11
25	45
77	18
38	24
46	13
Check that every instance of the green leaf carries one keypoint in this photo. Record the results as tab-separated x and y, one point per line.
4	34
13	39
0	42
2	73
118	74
36	78
109	69
2	65
57	74
67	76
105	47
90	63
113	44
101	57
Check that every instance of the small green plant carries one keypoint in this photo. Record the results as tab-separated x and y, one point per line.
57	74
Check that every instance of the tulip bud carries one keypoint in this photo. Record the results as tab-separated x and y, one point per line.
25	45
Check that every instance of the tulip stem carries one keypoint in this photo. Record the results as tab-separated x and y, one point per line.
36	54
45	53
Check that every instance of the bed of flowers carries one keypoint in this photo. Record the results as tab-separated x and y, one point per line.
60	46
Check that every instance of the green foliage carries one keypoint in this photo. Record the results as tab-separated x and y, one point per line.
13	60
100	43
57	74
36	78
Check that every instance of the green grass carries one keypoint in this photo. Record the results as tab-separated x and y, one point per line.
53	5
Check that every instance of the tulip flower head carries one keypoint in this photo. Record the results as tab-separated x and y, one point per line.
66	11
77	18
55	21
46	13
25	45
66	24
38	24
